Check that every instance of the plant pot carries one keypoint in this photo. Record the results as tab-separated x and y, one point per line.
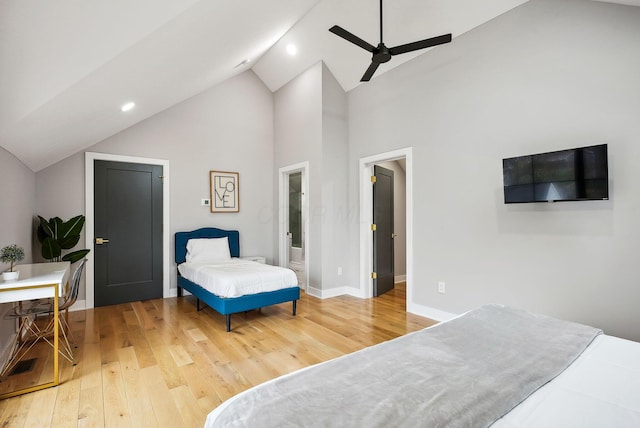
10	276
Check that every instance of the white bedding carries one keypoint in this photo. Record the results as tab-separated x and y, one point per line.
237	277
600	389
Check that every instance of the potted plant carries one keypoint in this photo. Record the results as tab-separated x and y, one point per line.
11	254
56	235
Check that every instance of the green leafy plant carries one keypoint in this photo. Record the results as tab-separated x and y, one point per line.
11	254
56	235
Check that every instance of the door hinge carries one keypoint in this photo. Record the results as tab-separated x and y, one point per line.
374	275
373	227
373	178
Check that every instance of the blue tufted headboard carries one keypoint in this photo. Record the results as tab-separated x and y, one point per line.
206	232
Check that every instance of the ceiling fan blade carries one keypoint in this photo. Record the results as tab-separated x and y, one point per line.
422	44
339	31
369	73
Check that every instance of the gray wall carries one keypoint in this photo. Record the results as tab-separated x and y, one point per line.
228	128
16	221
298	138
311	125
548	75
335	209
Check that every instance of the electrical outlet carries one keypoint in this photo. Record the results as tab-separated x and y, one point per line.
205	202
339	270
442	288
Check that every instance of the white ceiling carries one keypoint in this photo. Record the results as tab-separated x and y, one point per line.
66	66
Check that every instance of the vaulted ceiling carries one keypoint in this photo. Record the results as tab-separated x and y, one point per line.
66	67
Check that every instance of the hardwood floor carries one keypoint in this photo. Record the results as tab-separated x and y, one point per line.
162	363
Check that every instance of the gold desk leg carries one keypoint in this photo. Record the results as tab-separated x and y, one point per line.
56	326
56	373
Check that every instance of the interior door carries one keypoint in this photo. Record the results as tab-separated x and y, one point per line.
128	231
383	234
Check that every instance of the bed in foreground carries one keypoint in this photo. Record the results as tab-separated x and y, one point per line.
494	366
209	268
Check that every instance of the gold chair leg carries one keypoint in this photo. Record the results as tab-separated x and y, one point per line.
26	337
64	348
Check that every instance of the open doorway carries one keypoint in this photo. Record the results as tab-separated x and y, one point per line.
294	227
401	161
389	216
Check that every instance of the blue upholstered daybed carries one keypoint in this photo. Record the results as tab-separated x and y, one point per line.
227	305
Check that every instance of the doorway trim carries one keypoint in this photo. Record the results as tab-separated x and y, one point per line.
366	219
283	205
89	159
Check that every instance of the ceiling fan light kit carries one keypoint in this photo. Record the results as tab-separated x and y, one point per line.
381	53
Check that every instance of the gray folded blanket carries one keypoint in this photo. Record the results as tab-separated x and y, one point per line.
467	372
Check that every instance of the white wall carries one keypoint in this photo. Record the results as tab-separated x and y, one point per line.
549	75
228	128
17	205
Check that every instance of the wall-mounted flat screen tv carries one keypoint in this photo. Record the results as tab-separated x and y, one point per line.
566	175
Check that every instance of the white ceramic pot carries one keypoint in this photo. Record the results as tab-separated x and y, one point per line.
10	276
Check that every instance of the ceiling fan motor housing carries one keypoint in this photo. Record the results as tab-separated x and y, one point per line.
381	54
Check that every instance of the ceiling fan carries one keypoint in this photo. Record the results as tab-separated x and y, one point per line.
381	53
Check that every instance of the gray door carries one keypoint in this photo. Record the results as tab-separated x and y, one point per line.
128	232
383	233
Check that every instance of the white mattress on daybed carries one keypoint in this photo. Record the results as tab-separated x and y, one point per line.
237	277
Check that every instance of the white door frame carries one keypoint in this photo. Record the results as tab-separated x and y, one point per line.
366	219
283	215
89	159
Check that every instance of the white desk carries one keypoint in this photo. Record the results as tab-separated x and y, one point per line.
37	281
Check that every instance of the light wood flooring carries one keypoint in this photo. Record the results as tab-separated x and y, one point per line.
162	363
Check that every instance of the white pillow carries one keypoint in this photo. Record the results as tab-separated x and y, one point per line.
208	250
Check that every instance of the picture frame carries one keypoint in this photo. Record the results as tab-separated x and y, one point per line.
225	191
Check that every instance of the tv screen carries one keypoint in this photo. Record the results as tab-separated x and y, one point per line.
566	175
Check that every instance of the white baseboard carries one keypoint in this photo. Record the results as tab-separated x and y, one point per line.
79	305
400	278
429	312
355	292
326	294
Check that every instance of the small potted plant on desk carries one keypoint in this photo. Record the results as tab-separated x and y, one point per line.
11	254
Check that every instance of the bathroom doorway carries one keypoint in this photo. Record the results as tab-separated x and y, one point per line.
294	228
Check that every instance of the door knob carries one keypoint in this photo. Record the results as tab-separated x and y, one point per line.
100	241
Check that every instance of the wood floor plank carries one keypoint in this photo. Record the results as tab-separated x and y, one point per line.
67	405
140	408
42	415
116	410
91	408
188	409
164	405
163	363
13	413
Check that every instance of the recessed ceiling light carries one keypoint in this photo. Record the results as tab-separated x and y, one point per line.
292	49
128	106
